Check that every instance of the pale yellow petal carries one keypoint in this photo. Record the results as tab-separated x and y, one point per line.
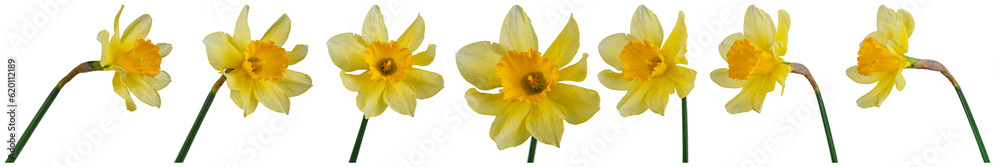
517	33
477	62
426	57
370	101
138	29
356	83
278	33
878	94
272	96
159	81
142	90
780	46
118	84
564	48
116	38
727	43
580	103
900	82
346	51
682	79
165	49
721	77
509	130
576	72
646	26
545	122
659	94
241	35
616	81
906	21
400	98
492	104
611	46
758	28
633	103
676	44
852	73
245	100
413	35
222	54
887	23
374	27
425	83
238	80
297	54
107	52
294	83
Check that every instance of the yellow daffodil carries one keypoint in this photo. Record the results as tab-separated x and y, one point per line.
650	73
754	59
532	102
389	79
881	58
136	61
256	70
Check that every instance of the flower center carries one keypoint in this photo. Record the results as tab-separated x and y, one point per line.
745	59
874	57
264	60
143	59
387	61
526	76
641	60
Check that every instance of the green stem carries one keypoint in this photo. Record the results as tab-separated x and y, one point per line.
972	122
531	150
684	129
826	127
197	122
357	143
82	68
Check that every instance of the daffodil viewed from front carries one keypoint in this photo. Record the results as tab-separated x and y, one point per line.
531	102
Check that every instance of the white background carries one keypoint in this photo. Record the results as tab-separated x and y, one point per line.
89	126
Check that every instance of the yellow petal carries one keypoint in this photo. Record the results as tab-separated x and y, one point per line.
278	33
611	46
374	27
545	122
854	75
222	54
509	130
413	35
580	103
682	79
752	96
878	94
297	54
400	98
356	83
425	83
516	33
616	81
780	45
576	72
241	35
145	93
346	51
758	27
159	81
370	102
900	82
426	57
659	94
675	46
906	20
294	83
116	38
272	96
564	48
239	80
245	100
727	43
165	49
492	104
477	62
118	84
721	77
887	23
646	25
633	103
107	52
138	29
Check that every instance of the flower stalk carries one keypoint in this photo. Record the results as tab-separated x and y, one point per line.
531	150
684	129
357	143
197	122
801	69
928	64
82	68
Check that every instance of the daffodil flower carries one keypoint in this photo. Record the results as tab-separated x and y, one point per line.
135	61
257	70
532	101
755	64
650	72
389	79
754	59
882	58
254	70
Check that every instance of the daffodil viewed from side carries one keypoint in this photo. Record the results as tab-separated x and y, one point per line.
532	102
256	71
650	71
882	58
135	61
388	79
